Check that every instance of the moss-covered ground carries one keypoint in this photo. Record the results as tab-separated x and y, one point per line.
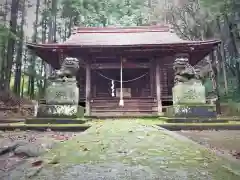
106	147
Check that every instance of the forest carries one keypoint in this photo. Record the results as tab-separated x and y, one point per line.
46	21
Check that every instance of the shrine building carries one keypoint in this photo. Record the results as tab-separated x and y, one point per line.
124	71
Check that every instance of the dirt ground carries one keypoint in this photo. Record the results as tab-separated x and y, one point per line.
33	144
226	142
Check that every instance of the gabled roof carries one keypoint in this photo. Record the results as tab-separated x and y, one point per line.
154	38
148	35
123	36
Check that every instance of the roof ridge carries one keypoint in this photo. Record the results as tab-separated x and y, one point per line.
132	29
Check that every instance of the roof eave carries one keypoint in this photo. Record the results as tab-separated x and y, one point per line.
178	44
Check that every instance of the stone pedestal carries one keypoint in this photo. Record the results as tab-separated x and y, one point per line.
205	111
189	93
61	100
189	101
62	92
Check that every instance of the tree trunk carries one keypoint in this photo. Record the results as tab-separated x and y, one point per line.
70	26
18	71
54	20
23	77
3	49
33	58
215	79
51	32
11	43
223	65
222	56
44	38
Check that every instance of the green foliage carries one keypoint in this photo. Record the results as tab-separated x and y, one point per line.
24	84
208	85
105	13
188	22
219	7
5	34
194	21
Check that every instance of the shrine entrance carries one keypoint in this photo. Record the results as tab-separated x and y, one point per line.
124	71
135	83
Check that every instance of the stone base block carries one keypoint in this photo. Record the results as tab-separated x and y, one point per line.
62	92
189	93
192	111
72	111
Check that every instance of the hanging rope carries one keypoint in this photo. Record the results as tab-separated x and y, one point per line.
139	77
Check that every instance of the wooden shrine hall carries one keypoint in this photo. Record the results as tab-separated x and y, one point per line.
124	71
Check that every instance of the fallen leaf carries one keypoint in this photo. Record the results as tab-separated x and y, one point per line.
86	149
37	163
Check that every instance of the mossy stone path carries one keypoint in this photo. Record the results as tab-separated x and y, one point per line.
129	150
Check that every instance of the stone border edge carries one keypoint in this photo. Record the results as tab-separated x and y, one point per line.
185	139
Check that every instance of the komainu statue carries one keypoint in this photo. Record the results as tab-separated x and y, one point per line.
184	72
62	93
189	94
68	69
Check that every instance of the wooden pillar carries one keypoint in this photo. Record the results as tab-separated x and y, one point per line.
158	88
88	89
151	69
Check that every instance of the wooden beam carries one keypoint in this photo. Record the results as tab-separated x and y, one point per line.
117	65
116	52
158	88
88	89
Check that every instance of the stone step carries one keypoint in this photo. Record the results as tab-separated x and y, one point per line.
110	106
123	110
196	120
125	100
44	127
200	126
54	121
126	104
6	121
115	115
